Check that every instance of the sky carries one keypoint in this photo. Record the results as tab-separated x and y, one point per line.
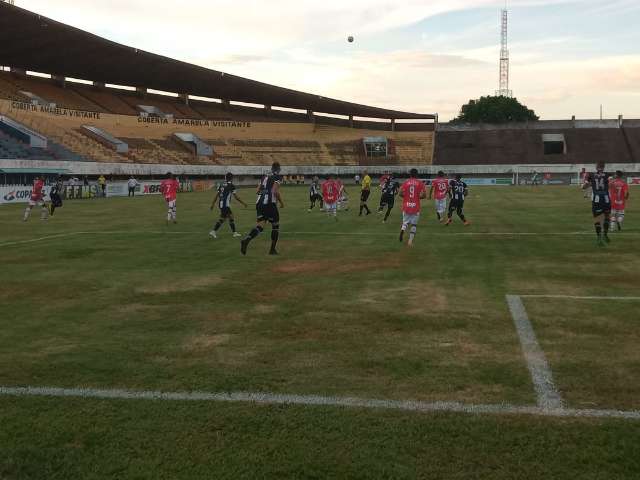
568	57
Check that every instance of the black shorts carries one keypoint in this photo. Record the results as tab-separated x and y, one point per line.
456	204
225	212
267	213
315	197
56	200
600	208
364	195
388	200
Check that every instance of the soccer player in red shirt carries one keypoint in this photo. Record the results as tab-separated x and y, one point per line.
412	191
330	196
619	193
37	198
169	188
438	190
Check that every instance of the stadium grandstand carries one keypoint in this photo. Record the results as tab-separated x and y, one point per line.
116	115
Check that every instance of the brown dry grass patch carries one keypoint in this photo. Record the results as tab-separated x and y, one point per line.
181	285
206	342
333	267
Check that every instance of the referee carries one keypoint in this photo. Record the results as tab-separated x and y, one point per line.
364	194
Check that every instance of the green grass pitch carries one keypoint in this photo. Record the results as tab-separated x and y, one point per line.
104	295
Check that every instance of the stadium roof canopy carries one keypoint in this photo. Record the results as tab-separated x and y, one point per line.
33	42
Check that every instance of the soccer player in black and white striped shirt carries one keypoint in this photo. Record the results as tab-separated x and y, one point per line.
267	209
225	192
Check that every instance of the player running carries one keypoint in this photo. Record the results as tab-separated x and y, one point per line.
343	197
225	192
37	198
365	192
383	181
56	195
458	191
412	191
267	209
439	190
169	188
314	194
331	196
600	202
389	192
619	192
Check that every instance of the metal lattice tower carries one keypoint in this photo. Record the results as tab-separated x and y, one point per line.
503	89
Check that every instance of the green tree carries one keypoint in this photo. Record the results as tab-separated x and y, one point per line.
495	110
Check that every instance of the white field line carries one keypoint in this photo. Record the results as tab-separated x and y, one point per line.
548	395
578	297
313	400
285	232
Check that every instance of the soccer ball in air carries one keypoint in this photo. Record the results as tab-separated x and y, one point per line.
350	38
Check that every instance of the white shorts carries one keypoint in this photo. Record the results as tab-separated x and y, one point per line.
410	218
615	213
171	203
33	203
441	205
330	206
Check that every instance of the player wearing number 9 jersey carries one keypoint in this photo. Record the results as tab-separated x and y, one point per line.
412	192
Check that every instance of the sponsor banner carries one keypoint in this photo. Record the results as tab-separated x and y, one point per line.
150	188
202	185
19	193
79	192
633	180
117	189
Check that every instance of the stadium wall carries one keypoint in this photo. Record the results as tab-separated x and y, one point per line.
93	169
584	142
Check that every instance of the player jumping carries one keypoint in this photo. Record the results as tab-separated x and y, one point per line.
267	209
314	194
225	192
169	188
600	202
389	192
439	189
619	191
458	191
37	198
412	191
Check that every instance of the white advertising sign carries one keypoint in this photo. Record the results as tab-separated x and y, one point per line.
18	193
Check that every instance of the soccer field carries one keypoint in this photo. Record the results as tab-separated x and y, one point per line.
507	349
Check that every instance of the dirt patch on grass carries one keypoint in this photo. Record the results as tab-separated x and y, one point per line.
206	342
333	267
264	309
181	285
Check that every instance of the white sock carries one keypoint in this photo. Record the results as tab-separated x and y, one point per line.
27	212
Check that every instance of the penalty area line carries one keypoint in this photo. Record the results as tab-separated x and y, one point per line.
314	400
579	297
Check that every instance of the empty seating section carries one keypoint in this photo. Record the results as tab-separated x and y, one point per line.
107	101
11	147
526	146
62	97
239	135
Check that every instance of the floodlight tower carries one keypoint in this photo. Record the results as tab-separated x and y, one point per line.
503	89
